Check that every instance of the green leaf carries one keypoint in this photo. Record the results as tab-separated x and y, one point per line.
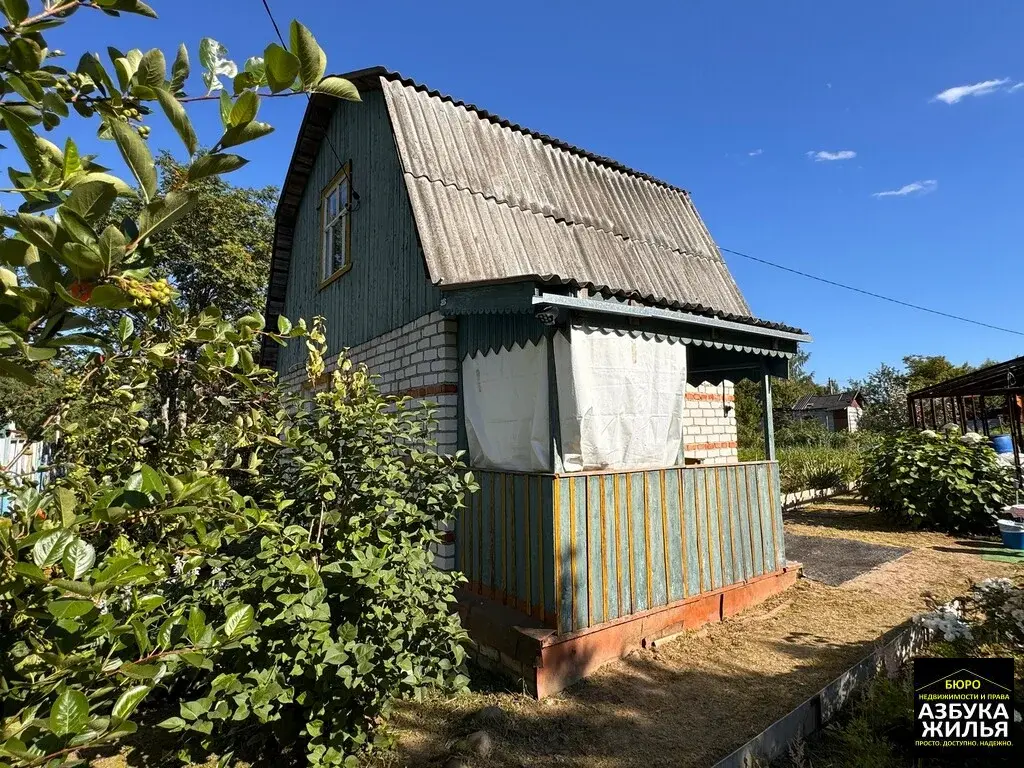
16	10
128	701
91	200
178	118
50	547
281	66
70	713
76	226
25	138
79	557
214	165
67	502
152	69
112	246
338	87
180	69
122	188
125	328
72	160
239	620
312	59
26	54
162	213
284	325
17	253
85	262
140	671
110	297
11	370
243	133
172	724
226	105
196	626
244	110
254	66
136	155
70	609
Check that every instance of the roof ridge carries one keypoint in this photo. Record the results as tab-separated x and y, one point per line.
567	221
554	141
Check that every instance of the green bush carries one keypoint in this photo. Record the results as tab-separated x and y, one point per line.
925	480
819	469
258	560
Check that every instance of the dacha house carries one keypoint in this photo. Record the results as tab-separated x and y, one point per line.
580	332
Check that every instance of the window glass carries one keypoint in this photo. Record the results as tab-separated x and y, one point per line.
335	223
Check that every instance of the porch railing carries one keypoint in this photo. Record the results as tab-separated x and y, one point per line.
583	549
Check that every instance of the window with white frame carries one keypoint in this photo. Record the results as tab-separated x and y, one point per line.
336	226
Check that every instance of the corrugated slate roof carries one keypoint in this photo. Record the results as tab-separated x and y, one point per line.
495	203
826	402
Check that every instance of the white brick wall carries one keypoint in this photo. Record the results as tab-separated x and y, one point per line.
419	359
709	423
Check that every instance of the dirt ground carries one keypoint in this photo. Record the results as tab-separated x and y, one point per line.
694	699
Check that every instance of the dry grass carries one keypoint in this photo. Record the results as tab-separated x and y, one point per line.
693	700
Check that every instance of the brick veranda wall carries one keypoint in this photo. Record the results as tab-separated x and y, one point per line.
418	360
709	423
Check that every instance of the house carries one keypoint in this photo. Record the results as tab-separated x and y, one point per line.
836	412
580	332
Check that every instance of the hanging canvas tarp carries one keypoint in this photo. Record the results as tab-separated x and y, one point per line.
505	401
620	399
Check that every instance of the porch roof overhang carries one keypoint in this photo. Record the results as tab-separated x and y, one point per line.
720	349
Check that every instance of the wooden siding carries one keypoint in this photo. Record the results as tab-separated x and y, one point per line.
504	541
581	550
388	284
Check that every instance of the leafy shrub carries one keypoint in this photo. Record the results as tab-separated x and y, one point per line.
817	468
260	560
925	480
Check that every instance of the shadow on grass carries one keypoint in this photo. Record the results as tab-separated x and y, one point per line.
640	712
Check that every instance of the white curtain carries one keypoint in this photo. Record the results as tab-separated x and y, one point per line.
505	401
620	399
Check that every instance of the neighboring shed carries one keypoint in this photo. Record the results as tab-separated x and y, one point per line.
580	331
836	412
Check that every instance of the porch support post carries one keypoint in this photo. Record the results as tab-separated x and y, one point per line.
769	420
554	425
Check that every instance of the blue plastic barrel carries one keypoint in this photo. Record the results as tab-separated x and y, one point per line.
1003	443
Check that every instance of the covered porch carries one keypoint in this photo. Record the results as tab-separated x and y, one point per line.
577	551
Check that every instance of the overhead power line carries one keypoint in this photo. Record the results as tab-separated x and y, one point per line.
280	37
872	294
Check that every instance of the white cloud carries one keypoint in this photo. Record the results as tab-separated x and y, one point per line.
822	155
755	152
1016	87
953	95
922	187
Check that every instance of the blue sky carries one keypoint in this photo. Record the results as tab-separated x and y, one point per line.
726	99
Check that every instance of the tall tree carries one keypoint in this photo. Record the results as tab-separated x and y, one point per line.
785	393
217	254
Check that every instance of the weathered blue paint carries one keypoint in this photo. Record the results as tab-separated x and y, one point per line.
610	548
624	574
596	561
656	536
691	540
674	541
388	284
756	544
581	581
581	550
638	540
564	555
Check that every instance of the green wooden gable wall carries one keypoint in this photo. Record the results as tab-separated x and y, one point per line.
388	285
